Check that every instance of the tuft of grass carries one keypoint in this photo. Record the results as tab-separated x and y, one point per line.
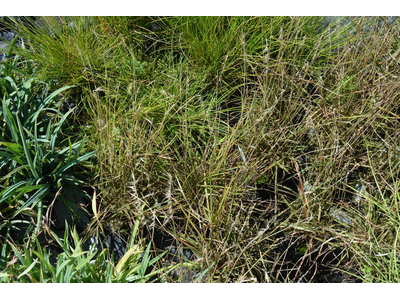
73	265
264	145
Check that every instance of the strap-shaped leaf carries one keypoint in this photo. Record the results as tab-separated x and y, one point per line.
43	140
13	147
4	161
35	198
145	260
13	171
37	149
27	151
7	154
10	122
11	49
55	93
76	161
122	263
72	179
28	269
29	188
60	242
17	253
12	83
23	92
11	191
57	128
39	215
14	154
69	262
49	99
74	146
11	66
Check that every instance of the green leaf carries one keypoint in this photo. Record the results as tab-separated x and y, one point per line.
57	128
73	146
134	232
27	151
85	262
18	254
39	249
58	240
145	261
39	216
70	178
35	198
29	188
27	270
13	171
203	273
10	49
77	253
37	149
157	258
68	262
10	122
48	99
10	191
11	66
12	83
27	84
125	258
76	161
15	148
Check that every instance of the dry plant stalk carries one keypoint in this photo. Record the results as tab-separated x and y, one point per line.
302	192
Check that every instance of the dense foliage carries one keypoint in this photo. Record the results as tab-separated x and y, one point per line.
267	146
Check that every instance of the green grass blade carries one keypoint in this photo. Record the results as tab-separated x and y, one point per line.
47	101
10	122
27	151
39	215
18	254
14	148
203	273
64	264
35	198
13	172
76	161
124	259
58	127
10	191
134	232
37	151
157	258
145	261
28	269
11	48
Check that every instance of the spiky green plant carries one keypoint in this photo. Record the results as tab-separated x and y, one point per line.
37	156
74	265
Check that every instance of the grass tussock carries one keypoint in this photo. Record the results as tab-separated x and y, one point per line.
267	146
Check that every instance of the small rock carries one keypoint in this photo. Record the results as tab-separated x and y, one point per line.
109	240
340	216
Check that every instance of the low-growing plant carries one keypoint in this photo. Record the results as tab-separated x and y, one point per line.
245	139
73	265
37	156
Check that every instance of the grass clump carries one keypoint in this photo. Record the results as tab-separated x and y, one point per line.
265	147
